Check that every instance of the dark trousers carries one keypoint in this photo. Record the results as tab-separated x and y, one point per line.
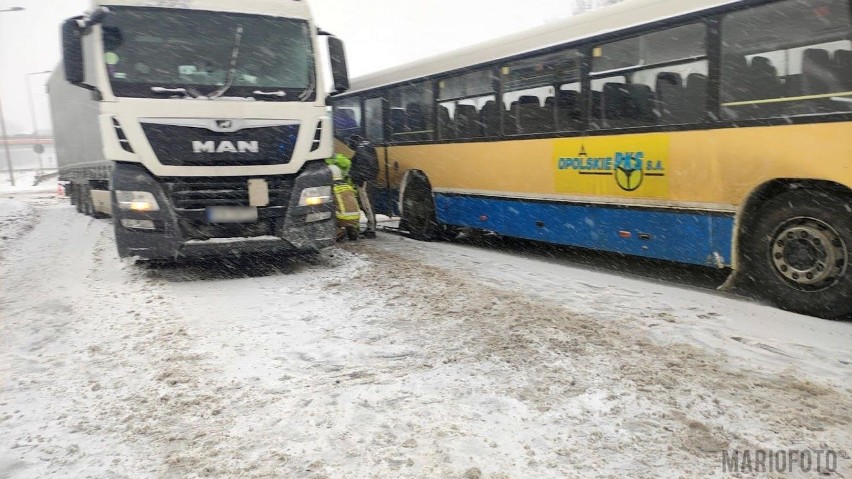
366	206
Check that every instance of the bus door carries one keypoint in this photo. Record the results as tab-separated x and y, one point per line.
384	201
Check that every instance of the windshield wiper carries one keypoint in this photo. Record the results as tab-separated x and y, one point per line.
308	92
278	93
169	91
233	68
184	92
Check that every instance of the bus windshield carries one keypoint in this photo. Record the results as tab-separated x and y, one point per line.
158	53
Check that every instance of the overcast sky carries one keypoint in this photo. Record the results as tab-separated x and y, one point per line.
378	34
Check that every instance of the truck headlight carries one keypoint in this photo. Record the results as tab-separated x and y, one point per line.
136	201
317	195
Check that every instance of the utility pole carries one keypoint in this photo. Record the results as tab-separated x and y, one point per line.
38	148
3	121
6	145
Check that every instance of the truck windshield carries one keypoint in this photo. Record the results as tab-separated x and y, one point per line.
156	53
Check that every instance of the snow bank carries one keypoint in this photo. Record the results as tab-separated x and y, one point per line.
15	218
24	183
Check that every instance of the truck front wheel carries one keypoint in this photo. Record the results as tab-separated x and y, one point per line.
797	255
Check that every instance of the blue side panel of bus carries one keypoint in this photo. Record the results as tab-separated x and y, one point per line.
385	201
676	235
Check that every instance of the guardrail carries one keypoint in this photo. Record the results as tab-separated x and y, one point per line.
26	141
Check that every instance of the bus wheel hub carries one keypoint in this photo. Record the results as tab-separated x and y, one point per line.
809	254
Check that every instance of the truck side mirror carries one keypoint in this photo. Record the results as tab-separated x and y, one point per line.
339	71
72	52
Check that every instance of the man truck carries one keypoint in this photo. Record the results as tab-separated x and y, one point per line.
200	126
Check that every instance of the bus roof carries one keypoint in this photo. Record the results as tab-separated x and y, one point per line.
284	8
631	13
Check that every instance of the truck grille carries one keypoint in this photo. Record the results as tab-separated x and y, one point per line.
177	145
199	193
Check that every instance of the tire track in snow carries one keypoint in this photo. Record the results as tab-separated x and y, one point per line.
369	366
613	400
94	355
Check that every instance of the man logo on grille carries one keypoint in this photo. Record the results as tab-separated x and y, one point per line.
225	147
224	124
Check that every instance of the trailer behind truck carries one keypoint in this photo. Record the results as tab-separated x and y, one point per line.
200	126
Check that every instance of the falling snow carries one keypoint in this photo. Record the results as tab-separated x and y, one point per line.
390	359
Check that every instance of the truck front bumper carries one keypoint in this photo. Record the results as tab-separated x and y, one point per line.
180	227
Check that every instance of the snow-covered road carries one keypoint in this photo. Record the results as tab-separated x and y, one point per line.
390	359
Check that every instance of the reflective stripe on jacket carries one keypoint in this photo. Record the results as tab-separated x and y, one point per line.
346	201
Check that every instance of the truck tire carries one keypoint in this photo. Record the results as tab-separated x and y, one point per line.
78	198
797	253
86	199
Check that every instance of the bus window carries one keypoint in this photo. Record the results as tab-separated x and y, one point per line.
680	91
654	79
374	120
411	112
347	117
467	107
569	107
787	58
529	111
533	100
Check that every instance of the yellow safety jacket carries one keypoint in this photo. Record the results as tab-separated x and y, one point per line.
345	196
346	201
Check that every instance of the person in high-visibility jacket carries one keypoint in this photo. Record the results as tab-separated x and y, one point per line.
345	197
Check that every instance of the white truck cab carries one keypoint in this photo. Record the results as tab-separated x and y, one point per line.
201	125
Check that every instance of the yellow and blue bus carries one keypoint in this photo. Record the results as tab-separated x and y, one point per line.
708	132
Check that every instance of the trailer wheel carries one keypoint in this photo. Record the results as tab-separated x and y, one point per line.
77	197
797	255
88	205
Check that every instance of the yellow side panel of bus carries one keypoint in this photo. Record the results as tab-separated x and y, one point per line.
732	162
627	165
707	166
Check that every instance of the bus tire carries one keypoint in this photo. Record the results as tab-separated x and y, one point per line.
797	253
418	208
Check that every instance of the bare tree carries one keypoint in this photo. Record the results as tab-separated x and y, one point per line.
581	6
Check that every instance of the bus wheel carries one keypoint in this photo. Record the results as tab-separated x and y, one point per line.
798	253
418	209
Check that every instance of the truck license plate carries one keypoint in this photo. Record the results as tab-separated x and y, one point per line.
231	214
